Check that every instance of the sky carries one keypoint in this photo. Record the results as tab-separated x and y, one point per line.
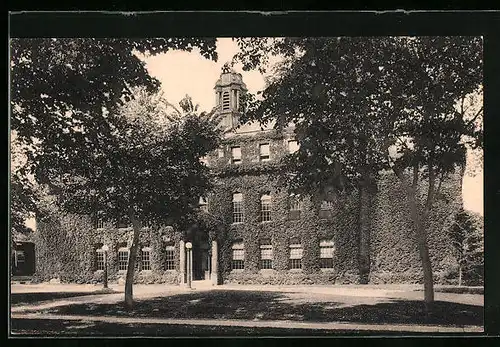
184	73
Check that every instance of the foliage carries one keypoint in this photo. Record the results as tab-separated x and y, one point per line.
361	105
467	234
62	85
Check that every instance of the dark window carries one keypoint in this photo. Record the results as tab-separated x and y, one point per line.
295	207
326	209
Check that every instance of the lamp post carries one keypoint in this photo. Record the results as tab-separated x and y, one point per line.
189	257
105	248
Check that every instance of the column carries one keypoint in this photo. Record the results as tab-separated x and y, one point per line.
215	264
182	263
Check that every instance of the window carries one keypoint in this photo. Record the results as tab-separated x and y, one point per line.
238	262
122	259
226	106
236	155
266	255
293	146
326	249
19	258
295	207
203	204
220	153
99	222
325	209
170	258
237	208
146	259
295	256
265	208
123	222
99	259
264	152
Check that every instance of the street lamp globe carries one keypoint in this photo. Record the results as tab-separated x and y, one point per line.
189	245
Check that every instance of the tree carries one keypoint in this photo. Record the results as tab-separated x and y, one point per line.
467	232
363	105
60	84
147	169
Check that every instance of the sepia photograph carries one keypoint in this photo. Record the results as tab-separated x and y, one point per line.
246	186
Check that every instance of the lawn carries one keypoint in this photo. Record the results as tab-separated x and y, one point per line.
305	307
29	298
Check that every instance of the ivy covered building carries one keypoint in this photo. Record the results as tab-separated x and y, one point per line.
252	231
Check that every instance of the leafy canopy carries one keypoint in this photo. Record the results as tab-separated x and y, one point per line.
353	99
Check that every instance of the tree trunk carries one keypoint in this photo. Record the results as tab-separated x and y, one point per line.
129	279
421	235
364	232
460	275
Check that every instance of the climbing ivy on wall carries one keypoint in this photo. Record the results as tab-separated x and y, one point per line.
66	245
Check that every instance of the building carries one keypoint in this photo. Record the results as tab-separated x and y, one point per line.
252	231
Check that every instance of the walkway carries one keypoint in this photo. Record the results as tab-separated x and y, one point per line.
261	324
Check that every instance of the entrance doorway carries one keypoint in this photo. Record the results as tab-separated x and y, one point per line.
201	261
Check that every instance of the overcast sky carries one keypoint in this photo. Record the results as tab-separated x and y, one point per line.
182	73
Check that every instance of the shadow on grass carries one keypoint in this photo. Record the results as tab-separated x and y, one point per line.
249	305
40	327
29	298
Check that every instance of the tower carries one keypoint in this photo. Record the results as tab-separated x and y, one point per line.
228	90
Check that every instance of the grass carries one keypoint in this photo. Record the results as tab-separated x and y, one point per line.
261	305
29	298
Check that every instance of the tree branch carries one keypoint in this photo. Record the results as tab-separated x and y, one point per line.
475	117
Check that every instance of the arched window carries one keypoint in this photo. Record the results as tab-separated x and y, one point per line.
237	208
295	207
238	256
265	208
